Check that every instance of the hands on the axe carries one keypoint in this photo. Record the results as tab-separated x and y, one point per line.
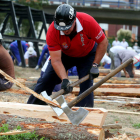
94	71
65	85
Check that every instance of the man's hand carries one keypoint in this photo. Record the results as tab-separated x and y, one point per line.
94	71
65	85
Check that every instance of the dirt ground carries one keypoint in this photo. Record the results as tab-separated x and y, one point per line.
127	120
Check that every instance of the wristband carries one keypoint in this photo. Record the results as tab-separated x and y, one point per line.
95	65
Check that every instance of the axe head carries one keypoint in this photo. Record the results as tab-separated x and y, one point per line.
75	117
57	110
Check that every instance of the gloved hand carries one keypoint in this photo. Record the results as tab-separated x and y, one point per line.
65	85
94	71
37	67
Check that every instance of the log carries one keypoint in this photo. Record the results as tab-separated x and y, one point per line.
53	130
126	92
112	126
96	116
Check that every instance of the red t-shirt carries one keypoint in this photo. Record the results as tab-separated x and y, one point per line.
82	43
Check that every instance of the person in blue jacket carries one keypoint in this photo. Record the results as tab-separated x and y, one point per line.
72	71
15	51
44	51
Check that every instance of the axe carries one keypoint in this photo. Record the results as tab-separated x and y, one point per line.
76	117
58	110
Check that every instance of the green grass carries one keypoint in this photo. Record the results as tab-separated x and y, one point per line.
25	136
137	125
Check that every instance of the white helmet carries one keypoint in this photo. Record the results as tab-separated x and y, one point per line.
30	44
136	59
1	36
30	50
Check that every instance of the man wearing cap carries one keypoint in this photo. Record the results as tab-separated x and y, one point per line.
72	41
15	51
6	65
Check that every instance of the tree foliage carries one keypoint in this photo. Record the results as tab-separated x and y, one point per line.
124	34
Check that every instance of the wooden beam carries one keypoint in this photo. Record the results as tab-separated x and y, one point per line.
96	116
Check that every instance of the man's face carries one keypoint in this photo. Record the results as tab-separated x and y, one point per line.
67	32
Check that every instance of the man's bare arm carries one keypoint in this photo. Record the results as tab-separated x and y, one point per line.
57	64
100	51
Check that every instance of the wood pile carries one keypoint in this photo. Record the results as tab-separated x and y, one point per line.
13	105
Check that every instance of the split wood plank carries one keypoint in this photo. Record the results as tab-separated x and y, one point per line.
96	116
124	112
126	92
120	86
115	80
119	98
15	132
9	78
104	72
53	130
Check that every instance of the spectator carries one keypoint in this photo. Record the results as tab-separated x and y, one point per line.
124	44
115	42
136	47
6	65
29	53
44	51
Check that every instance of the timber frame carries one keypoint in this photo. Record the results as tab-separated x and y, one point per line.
24	12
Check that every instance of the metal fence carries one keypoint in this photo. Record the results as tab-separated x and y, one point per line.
127	4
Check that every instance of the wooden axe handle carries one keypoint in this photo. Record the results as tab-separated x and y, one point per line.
92	88
60	92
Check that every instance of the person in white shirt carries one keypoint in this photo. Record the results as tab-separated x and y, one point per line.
136	47
29	53
106	61
112	53
116	42
124	44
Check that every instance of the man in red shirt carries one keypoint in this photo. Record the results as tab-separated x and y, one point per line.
74	39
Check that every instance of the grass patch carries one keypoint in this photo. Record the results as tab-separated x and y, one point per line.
25	136
137	125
